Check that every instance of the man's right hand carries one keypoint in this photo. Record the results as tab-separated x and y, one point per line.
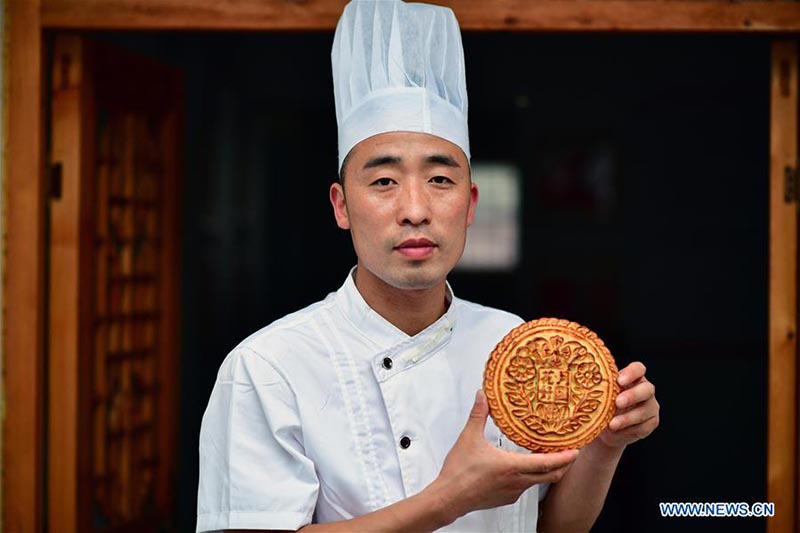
477	475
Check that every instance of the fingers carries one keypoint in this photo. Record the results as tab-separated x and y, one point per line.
637	413
645	411
553	476
632	433
543	463
477	417
640	392
631	373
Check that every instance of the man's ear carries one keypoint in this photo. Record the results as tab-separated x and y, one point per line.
339	206
473	203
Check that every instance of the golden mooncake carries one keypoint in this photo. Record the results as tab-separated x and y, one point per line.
551	385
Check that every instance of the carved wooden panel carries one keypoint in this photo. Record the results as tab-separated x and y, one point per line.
126	384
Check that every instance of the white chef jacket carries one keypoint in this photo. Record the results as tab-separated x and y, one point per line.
332	412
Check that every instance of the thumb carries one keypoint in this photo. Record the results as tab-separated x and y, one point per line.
477	417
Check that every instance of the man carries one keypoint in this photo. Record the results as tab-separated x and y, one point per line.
359	413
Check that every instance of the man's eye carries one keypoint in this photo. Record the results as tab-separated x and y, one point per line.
441	180
383	182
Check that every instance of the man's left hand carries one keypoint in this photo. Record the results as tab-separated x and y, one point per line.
637	408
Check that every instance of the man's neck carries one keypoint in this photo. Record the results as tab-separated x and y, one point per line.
411	311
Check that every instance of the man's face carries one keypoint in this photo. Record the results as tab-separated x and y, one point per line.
407	200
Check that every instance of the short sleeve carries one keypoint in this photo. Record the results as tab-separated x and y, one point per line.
254	473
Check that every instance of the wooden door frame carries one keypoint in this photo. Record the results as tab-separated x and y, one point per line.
23	342
24	283
782	446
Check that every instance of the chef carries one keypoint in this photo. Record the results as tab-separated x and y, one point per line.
360	412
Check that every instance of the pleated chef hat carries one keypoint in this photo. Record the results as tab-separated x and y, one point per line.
398	67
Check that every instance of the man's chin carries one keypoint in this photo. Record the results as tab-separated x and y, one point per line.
417	280
410	276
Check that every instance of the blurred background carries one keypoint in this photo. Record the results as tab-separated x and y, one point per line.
623	186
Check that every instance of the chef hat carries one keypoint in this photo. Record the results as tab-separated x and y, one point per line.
398	67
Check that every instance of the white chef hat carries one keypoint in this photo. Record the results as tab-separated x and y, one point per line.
398	67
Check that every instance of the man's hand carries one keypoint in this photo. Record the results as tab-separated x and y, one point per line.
637	408
575	503
476	475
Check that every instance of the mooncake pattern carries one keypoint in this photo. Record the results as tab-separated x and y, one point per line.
551	385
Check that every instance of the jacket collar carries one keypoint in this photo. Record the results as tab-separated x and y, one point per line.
379	330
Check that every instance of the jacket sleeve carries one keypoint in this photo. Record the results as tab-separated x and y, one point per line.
254	473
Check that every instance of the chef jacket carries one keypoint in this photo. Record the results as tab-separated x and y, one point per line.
332	412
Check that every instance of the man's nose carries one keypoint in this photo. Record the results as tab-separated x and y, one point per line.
414	206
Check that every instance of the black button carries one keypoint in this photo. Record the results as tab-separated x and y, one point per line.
387	363
405	442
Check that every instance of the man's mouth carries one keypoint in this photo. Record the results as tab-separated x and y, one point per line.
416	248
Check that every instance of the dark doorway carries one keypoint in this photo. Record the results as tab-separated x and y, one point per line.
643	213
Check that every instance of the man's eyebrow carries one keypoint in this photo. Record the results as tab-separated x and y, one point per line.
381	161
442	159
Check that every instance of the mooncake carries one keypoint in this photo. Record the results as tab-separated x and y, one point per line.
551	385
